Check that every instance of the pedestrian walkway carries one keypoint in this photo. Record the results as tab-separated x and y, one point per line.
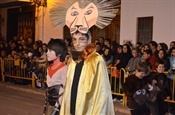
119	108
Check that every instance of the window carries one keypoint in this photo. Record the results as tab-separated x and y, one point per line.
144	29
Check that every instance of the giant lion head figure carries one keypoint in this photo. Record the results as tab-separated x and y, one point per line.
81	15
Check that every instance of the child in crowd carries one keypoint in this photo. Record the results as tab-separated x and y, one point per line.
134	88
149	59
160	80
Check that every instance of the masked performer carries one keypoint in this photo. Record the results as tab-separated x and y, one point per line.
87	90
56	76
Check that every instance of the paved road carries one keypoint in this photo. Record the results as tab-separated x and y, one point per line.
22	101
16	102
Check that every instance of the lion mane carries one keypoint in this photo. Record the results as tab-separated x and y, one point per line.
107	11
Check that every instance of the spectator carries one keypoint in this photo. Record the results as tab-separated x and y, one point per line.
134	87
107	55
101	40
44	46
3	54
107	43
125	57
172	44
153	47
162	55
146	46
160	80
131	66
149	59
98	48
114	46
159	46
141	49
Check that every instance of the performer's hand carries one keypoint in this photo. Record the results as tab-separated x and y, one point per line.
55	112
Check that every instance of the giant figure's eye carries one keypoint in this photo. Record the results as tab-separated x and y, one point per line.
75	13
138	92
88	12
150	87
143	91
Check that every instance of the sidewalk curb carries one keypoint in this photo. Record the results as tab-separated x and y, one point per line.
22	88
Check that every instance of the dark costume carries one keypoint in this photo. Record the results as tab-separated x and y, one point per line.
138	92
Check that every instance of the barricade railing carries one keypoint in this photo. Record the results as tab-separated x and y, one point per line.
116	85
116	82
17	69
172	87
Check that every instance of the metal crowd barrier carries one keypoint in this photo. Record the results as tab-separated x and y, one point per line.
17	69
172	84
116	84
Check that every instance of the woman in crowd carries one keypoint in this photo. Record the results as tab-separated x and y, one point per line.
162	55
107	55
131	66
125	57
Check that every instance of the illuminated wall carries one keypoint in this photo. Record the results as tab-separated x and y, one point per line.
44	30
163	12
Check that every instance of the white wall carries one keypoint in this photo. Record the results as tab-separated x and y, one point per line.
163	12
46	30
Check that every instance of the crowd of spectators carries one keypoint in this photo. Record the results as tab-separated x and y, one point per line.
159	57
32	53
115	55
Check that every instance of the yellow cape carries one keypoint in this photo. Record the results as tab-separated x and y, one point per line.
94	93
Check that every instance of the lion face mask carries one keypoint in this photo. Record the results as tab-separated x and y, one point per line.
78	19
81	15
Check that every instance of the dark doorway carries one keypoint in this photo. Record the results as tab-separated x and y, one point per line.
12	23
21	22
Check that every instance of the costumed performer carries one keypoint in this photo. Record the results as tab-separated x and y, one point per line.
56	76
87	90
